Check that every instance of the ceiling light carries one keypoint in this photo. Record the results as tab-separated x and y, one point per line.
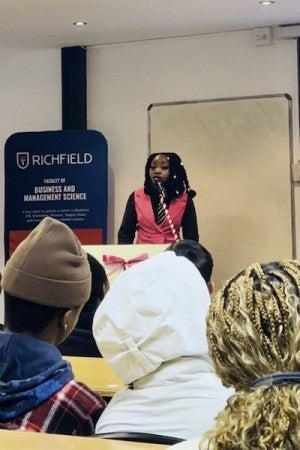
266	2
79	24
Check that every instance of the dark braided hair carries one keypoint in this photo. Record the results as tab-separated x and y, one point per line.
177	183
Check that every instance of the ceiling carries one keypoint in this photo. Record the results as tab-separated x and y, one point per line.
49	23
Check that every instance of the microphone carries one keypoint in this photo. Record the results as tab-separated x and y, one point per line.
161	189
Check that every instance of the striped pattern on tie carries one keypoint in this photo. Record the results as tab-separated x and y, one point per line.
160	216
163	212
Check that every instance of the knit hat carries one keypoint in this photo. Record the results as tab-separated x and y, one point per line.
49	267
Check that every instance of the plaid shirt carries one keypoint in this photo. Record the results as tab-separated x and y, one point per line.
74	409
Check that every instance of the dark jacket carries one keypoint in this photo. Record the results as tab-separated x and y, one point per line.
31	371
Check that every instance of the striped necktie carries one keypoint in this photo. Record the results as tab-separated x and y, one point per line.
160	216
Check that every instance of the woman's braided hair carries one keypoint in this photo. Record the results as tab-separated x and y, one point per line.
253	330
178	181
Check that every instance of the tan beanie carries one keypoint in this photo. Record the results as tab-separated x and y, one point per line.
49	267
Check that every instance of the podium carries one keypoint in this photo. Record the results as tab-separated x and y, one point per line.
117	258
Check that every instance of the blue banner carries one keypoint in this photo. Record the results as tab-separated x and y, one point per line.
62	174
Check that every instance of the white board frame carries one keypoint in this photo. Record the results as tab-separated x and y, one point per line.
238	154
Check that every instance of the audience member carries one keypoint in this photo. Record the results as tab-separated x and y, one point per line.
151	329
81	341
253	329
46	282
198	255
166	185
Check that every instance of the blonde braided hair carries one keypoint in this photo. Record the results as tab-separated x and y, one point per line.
253	330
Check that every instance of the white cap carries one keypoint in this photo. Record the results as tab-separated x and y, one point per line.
154	312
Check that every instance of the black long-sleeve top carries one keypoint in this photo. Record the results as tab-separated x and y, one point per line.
129	223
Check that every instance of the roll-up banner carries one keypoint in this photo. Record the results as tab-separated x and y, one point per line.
62	174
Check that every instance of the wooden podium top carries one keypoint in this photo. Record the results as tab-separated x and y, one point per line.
128	255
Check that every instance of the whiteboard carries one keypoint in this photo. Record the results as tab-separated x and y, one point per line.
237	154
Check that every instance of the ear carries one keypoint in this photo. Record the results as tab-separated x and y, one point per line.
64	319
211	287
66	323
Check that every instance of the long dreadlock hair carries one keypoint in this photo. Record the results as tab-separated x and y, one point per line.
253	330
177	182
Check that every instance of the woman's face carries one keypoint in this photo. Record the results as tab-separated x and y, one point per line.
159	169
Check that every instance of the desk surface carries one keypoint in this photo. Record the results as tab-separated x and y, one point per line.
96	374
21	440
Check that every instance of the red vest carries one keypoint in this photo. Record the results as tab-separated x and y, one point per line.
148	231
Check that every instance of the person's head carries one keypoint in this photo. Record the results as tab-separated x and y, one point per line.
100	285
253	332
167	169
153	313
198	255
46	283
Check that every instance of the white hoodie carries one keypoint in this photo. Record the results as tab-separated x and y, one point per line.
150	327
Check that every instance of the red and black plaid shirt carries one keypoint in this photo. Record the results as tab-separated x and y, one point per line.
74	409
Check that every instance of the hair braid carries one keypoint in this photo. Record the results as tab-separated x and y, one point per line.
253	330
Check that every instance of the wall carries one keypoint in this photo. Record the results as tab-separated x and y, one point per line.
124	79
30	96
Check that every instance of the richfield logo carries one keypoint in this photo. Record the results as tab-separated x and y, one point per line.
24	159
